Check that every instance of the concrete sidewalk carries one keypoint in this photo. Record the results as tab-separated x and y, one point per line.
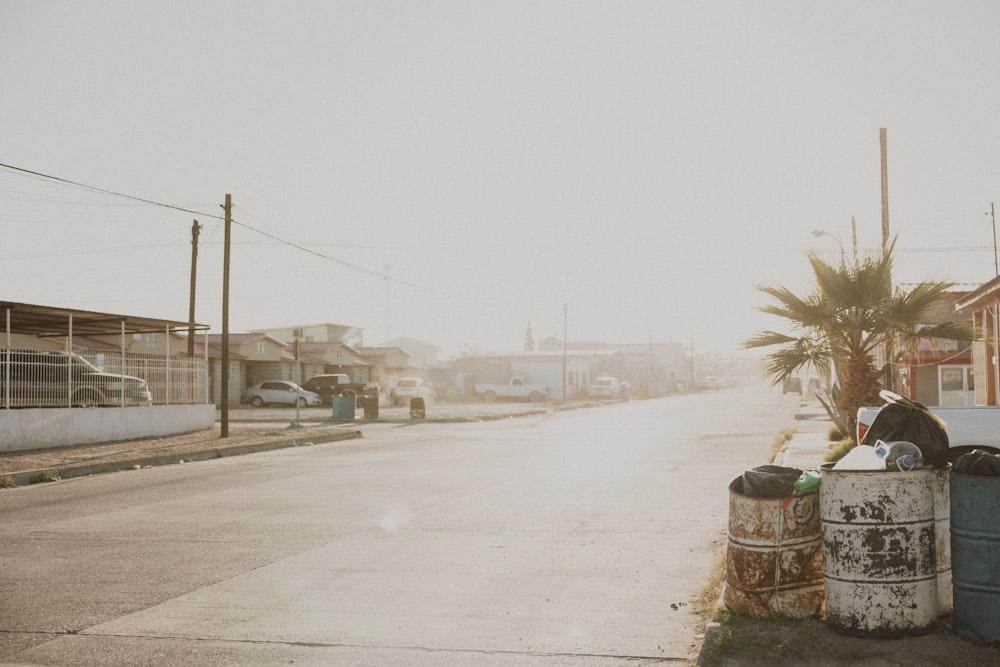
809	446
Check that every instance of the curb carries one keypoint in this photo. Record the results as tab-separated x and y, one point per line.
24	477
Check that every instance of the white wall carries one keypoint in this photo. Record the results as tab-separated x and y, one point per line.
45	428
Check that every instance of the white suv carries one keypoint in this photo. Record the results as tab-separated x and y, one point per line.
407	388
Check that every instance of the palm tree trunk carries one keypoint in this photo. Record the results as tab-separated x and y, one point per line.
859	387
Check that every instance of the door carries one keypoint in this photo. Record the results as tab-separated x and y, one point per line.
957	386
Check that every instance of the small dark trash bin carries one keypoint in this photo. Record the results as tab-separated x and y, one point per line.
417	408
370	405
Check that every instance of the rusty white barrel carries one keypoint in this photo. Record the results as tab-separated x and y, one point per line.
942	538
879	565
975	545
774	555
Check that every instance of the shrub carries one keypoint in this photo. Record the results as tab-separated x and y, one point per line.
7	482
834	434
40	477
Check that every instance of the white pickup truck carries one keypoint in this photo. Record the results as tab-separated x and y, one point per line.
516	388
967	428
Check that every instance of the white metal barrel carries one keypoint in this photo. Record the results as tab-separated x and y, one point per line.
942	536
879	565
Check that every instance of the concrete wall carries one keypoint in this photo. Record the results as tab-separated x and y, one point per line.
44	428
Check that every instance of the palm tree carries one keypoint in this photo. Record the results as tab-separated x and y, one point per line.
852	313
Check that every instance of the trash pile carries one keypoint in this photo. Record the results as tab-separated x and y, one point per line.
903	420
894	456
773	481
978	462
872	554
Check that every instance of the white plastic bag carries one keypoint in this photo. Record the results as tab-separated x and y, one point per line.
862	457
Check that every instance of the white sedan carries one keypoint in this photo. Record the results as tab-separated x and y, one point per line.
279	392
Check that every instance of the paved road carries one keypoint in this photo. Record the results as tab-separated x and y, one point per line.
571	538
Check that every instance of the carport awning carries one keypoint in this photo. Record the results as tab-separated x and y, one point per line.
26	318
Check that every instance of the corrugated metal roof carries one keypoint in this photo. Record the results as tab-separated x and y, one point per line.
27	318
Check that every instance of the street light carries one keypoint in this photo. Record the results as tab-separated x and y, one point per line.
843	255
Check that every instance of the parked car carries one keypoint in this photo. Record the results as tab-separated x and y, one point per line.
711	383
791	385
407	388
40	378
604	387
279	392
339	384
517	388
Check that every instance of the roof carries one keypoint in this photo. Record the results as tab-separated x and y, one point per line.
985	295
27	318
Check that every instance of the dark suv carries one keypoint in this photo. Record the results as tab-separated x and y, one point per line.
39	379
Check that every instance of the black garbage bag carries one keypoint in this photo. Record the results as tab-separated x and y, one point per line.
903	419
770	481
978	462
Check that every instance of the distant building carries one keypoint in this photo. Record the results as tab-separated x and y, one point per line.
420	353
318	333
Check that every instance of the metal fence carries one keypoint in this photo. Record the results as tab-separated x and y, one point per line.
50	378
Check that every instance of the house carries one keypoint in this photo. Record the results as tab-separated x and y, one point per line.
982	304
257	356
938	372
420	353
656	369
318	333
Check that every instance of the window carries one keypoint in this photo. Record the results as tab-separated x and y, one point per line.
260	347
152	340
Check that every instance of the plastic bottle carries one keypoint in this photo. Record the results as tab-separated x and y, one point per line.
862	457
899	455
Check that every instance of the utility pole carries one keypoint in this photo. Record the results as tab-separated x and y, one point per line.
565	329
854	239
195	229
883	142
996	266
386	302
224	373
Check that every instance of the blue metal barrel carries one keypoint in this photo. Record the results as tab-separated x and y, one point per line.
975	556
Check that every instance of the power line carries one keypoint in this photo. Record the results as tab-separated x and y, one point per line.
108	192
273	237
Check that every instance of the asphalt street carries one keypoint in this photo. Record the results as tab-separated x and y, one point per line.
574	537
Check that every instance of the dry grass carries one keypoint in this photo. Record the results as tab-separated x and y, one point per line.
838	451
780	440
707	601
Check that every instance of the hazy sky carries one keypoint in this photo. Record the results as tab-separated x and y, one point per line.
646	164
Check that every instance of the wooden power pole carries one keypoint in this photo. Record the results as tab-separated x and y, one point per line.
224	372
195	229
883	142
